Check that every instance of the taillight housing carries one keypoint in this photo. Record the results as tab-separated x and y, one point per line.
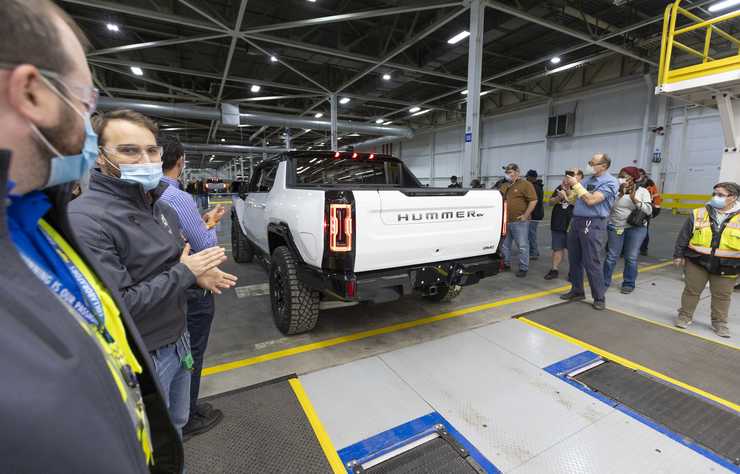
340	227
505	220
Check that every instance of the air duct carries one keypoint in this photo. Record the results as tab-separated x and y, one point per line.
163	109
232	149
370	143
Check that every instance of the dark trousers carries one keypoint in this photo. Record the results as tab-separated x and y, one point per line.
200	315
586	252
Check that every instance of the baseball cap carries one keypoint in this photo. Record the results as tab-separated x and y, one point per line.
511	167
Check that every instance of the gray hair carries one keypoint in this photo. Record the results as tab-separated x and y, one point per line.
732	188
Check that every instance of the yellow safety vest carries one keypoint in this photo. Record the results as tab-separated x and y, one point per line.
117	352
701	240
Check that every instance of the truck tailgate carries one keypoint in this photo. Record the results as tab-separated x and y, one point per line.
397	228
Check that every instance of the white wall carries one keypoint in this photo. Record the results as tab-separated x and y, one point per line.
610	121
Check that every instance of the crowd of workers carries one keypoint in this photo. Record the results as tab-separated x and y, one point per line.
107	298
600	218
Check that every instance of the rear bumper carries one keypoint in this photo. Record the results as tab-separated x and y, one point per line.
387	285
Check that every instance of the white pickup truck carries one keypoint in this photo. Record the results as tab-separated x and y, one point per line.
341	228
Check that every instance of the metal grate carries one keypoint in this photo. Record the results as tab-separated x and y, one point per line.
703	422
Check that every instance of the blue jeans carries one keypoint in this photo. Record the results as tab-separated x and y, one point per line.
533	250
629	244
517	231
174	379
200	316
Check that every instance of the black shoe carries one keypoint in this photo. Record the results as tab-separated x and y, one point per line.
572	296
599	305
521	274
534	257
551	275
626	290
204	408
199	424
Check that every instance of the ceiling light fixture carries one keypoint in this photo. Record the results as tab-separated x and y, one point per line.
223	140
344	100
458	37
414	109
255	88
318	115
421	113
137	71
386	77
112	27
566	67
723	5
555	60
380	120
465	92
273	59
387	123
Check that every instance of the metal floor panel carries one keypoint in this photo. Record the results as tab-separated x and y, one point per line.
692	360
264	430
509	409
386	400
705	423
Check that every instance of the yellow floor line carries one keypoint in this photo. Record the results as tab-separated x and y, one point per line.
674	328
227	366
630	364
326	445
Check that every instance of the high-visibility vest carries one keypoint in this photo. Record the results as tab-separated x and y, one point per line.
701	240
116	350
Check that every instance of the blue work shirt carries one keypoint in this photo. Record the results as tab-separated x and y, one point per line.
198	235
24	214
607	185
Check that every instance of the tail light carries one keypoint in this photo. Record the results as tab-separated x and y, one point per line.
505	221
340	227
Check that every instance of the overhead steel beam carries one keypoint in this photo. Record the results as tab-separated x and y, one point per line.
144	13
161	109
351	16
155	82
333	126
230	55
257	133
191	72
265	98
285	63
565	30
154	44
400	49
207	16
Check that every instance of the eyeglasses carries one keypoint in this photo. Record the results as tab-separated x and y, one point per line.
596	164
153	152
88	95
721	195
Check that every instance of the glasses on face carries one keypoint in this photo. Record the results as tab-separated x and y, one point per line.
152	152
595	164
88	95
721	195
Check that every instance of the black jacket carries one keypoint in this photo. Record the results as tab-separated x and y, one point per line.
137	240
714	265
560	218
59	407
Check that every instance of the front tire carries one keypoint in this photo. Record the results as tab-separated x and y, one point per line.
241	248
295	308
445	294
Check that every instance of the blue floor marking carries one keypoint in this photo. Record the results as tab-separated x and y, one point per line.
562	368
407	432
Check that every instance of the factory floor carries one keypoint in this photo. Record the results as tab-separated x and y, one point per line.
491	368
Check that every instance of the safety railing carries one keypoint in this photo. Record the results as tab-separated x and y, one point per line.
708	65
683	203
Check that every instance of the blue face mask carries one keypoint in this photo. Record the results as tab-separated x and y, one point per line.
718	202
68	168
146	174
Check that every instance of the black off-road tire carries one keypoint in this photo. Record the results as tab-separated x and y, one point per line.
445	294
241	248
295	308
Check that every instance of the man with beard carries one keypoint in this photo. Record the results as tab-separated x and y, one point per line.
78	392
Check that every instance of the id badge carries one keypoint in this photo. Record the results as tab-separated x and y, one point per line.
620	231
184	352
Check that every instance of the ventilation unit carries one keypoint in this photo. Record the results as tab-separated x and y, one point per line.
560	125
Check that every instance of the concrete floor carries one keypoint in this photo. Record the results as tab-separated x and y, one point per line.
471	364
243	327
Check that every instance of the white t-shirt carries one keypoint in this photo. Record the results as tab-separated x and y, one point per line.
624	206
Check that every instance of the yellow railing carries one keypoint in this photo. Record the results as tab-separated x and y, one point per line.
708	64
680	203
